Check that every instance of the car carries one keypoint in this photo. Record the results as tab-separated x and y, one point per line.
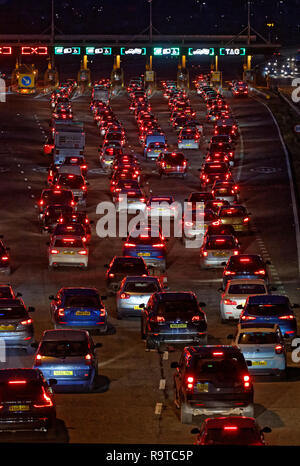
76	183
107	156
69	356
237	216
271	309
75	229
195	224
198	196
246	266
230	430
171	163
225	192
173	317
188	139
162	206
212	171
5	266
220	147
121	267
212	380
217	249
55	196
134	291
149	244
16	325
128	195
7	292
262	345
67	250
77	161
125	173
27	402
219	229
51	216
78	217
215	204
236	293
79	307
154	149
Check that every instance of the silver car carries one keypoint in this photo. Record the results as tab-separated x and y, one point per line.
217	249
68	251
134	291
188	139
16	326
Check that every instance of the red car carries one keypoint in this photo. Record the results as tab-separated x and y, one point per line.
230	430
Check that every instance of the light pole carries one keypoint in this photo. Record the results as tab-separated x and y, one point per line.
150	21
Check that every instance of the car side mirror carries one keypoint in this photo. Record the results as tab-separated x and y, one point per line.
230	337
195	430
202	304
52	382
174	365
239	306
98	345
31	309
266	430
249	363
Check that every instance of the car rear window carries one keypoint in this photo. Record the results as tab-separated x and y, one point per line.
221	369
141	287
268	309
71	181
14	312
247	289
245	263
241	436
174	158
137	267
68	243
55	197
232	211
215	168
82	301
171	309
61	349
221	243
31	390
258	338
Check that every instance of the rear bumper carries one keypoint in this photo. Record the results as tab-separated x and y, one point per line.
41	423
199	337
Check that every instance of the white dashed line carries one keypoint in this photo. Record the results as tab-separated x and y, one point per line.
158	408
166	355
162	384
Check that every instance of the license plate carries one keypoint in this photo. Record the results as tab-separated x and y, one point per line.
69	252
137	308
83	313
144	254
223	191
63	372
202	387
259	363
178	325
219	254
188	144
7	328
19	408
168	166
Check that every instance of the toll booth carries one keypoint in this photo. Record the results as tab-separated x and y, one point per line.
50	77
183	80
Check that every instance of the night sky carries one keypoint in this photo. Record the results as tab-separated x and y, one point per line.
169	17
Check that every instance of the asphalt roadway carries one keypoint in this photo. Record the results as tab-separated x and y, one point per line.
134	399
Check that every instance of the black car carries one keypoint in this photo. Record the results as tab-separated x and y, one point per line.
121	267
246	266
173	317
26	402
52	215
220	230
212	379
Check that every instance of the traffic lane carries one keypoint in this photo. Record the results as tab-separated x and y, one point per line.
265	184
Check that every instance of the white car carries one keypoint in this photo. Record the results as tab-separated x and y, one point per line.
236	294
68	251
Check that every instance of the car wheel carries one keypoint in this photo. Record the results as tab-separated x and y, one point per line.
185	416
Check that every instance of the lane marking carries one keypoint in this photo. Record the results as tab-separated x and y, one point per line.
158	408
125	353
166	355
162	384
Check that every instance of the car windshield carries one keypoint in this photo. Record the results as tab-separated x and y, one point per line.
268	309
247	289
63	348
141	287
68	243
82	301
241	436
14	312
258	338
126	266
30	390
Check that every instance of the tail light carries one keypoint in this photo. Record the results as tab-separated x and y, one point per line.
84	188
230	428
190	383
54	251
157	319
229	272
129	245
163	164
73	203
61	312
41	202
88	359
229	302
235	253
196	318
111	275
246	380
83	252
4	258
102	312
288	317
218	353
38	360
246	219
159	245
46	401
142	199
260	272
124	296
248	318
17	382
26	322
278	349
205	253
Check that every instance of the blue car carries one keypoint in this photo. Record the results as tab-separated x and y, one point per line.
79	308
270	309
68	356
151	248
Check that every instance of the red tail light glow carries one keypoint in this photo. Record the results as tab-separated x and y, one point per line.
218	353
288	317
83	252
47	402
230	428
26	322
229	302
17	382
157	319
260	272
278	349
124	296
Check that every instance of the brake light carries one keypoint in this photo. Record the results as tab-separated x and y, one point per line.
157	319
229	272
278	349
230	428
88	359
83	252
4	258
124	296
111	275
204	253
159	245
260	272
235	253
54	251
61	312
188	224
190	383
288	317
41	202
218	353
38	360
246	219
13	382
130	245
248	318
246	380
229	302
26	322
46	399
196	318
142	199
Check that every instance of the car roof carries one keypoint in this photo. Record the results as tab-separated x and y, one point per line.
24	373
219	422
268	299
247	281
64	334
80	291
175	295
206	350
